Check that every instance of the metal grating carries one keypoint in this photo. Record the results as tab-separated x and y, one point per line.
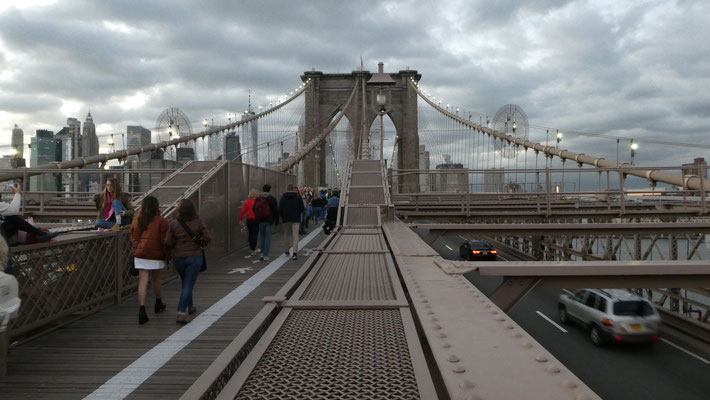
366	179
335	354
362	216
366	196
358	243
351	277
366	165
359	231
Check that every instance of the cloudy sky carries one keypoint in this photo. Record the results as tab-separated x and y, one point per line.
631	69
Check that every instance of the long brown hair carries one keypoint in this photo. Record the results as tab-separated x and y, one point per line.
149	209
186	210
117	192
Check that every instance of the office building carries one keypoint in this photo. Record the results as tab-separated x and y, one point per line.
43	150
232	147
424	164
18	141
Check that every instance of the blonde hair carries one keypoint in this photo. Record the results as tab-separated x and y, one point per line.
253	194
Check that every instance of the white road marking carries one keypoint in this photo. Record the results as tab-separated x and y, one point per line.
686	351
463	237
551	321
568	292
126	381
240	270
447	246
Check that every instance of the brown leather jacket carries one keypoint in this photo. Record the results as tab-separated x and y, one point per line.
149	244
181	243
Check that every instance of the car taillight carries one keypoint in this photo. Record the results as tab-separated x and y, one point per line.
494	252
607	322
476	252
655	338
618	338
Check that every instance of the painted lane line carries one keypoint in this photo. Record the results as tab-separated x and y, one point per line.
130	378
686	351
447	246
568	292
466	239
551	321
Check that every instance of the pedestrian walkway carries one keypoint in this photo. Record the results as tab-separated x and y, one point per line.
108	355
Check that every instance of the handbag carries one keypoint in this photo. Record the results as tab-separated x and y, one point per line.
198	241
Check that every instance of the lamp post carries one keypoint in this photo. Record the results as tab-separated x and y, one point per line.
112	144
634	147
381	103
559	138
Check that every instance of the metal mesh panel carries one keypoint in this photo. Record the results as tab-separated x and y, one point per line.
237	194
202	166
366	165
366	196
361	216
366	179
213	211
359	243
305	361
68	277
359	231
351	277
167	196
183	180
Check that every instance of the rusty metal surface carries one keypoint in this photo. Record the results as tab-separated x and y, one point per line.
351	277
308	359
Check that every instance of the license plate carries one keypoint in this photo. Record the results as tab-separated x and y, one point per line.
635	327
485	253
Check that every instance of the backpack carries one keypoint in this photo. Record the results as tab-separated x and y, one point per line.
262	209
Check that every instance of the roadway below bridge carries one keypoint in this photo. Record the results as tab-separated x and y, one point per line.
662	371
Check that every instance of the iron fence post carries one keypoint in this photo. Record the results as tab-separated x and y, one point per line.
120	262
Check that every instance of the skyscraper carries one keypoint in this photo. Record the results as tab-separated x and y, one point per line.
74	134
233	148
90	142
18	141
43	151
139	136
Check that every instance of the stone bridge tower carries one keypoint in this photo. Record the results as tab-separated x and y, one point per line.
328	93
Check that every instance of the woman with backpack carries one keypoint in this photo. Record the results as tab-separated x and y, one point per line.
187	235
251	222
150	254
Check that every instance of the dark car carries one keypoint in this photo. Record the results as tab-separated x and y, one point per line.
474	250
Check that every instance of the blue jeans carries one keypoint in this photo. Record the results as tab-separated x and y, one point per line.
265	229
117	208
304	223
188	268
319	213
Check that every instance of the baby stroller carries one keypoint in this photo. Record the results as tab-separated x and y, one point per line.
331	218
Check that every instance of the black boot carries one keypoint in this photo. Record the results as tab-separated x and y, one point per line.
142	316
159	305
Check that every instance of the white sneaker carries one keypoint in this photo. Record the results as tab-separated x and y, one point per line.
248	256
265	258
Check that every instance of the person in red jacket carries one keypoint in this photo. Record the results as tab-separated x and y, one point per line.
251	222
148	232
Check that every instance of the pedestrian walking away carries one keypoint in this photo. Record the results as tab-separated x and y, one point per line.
187	236
266	212
251	223
291	208
150	254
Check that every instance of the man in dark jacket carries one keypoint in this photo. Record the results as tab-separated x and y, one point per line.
266	211
290	208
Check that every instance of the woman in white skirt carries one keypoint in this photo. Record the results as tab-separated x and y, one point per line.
148	232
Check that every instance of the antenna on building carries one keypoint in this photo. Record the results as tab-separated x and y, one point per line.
249	104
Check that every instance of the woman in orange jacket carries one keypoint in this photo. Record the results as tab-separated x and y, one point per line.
148	232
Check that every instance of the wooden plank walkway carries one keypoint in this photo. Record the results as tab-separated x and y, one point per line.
72	362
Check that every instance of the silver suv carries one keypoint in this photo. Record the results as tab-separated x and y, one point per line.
611	314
